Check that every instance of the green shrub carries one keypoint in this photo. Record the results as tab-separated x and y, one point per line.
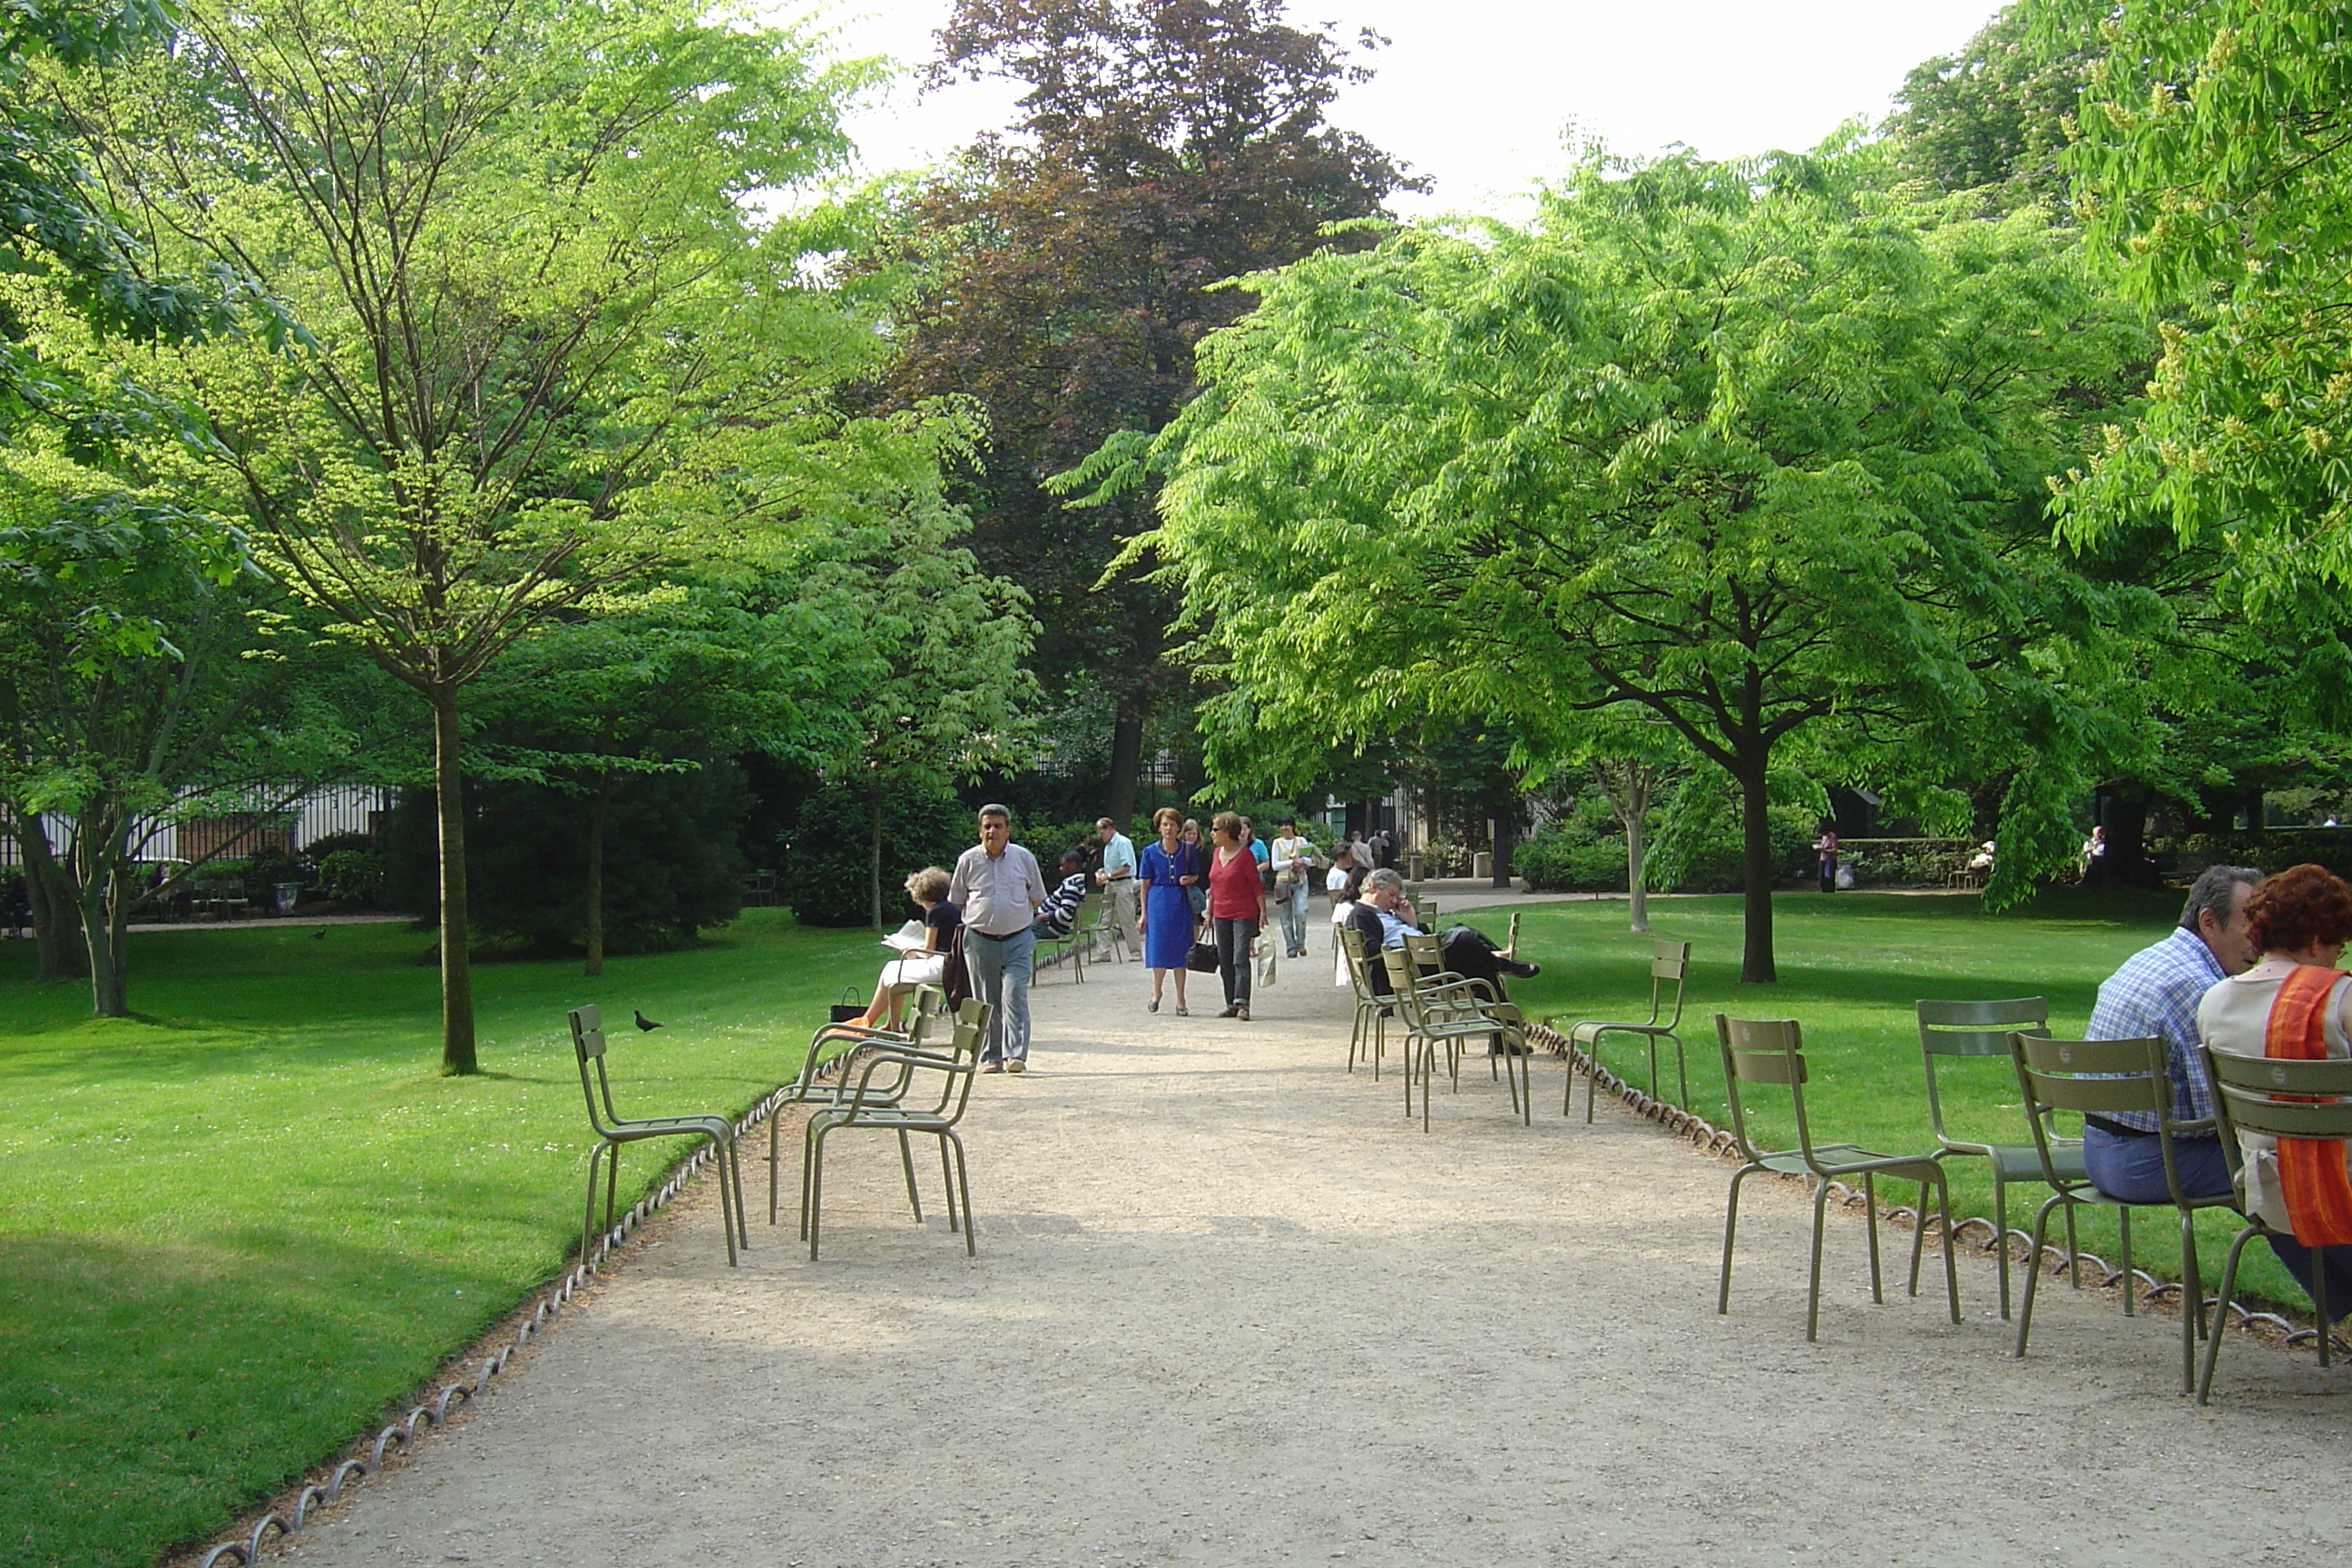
352	875
1570	859
672	866
828	862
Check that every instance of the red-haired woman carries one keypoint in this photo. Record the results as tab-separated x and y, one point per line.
2294	1001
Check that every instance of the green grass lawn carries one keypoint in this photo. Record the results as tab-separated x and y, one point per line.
1850	966
237	1229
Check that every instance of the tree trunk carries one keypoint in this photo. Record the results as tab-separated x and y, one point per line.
456	956
1637	890
1125	763
2126	823
1504	815
875	869
42	890
1756	965
597	816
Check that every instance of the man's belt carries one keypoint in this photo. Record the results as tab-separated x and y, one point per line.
2117	1128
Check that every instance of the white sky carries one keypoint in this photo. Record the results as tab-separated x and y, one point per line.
1475	93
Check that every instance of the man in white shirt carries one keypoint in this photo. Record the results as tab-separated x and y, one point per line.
997	885
1293	861
1117	876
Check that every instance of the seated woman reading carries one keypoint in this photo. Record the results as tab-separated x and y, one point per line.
921	966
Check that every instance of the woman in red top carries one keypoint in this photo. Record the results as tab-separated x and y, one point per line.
1236	910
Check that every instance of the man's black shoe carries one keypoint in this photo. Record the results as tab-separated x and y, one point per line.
1519	967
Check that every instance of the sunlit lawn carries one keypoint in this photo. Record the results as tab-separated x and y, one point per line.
1850	966
234	1230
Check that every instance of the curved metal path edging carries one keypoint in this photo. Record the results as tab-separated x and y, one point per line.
1718	1140
246	1550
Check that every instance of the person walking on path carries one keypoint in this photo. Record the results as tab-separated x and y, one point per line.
1826	847
1167	873
1294	865
1196	882
1236	910
998	887
1116	874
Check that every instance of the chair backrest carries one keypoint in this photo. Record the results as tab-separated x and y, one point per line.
1403	972
588	1048
1763	1051
2282	1097
1428	953
1669	962
1972	1029
1360	979
2094	1077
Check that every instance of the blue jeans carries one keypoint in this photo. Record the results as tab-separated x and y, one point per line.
1292	909
999	969
2132	1169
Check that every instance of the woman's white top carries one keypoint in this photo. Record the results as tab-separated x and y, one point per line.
1339	913
2234	1016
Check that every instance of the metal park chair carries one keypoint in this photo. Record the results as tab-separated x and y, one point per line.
1439	1008
613	1130
1080	935
2277	1098
1669	963
809	1088
1950	1032
862	1109
1368	1035
1757	1053
2100	1078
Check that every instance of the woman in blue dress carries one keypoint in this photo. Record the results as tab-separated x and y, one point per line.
1166	923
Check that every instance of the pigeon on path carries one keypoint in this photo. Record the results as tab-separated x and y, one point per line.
645	1023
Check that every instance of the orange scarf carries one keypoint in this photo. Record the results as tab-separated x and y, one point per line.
2312	1175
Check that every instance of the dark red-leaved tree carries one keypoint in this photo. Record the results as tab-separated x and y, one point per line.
1162	145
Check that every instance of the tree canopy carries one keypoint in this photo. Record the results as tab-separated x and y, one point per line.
1749	447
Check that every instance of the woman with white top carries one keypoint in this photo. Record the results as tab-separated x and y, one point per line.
2294	1001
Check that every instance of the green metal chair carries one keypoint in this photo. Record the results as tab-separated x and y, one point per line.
2101	1078
923	1020
2273	1098
1669	963
1076	941
1756	1052
863	1109
613	1130
1439	1008
1950	1032
1368	1034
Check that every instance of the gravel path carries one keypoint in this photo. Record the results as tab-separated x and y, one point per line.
1232	1308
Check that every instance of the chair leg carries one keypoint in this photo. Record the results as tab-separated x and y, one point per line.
735	1170
808	1151
2319	1303
2129	1292
906	1163
1870	1223
719	1148
2033	1267
1731	1229
2000	1235
775	1125
1682	1071
2229	1284
1951	1269
612	1182
947	1182
2073	1250
814	1215
1567	1089
963	1180
1591	1077
588	1216
1919	1236
1814	1296
2192	1302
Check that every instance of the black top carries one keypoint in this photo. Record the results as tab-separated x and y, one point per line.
943	918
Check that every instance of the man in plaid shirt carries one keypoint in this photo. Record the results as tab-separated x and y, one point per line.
2156	992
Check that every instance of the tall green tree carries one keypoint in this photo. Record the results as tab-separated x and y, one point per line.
1161	146
2215	170
1749	447
555	351
1992	117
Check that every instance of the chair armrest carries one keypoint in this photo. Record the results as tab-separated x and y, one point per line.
905	1062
